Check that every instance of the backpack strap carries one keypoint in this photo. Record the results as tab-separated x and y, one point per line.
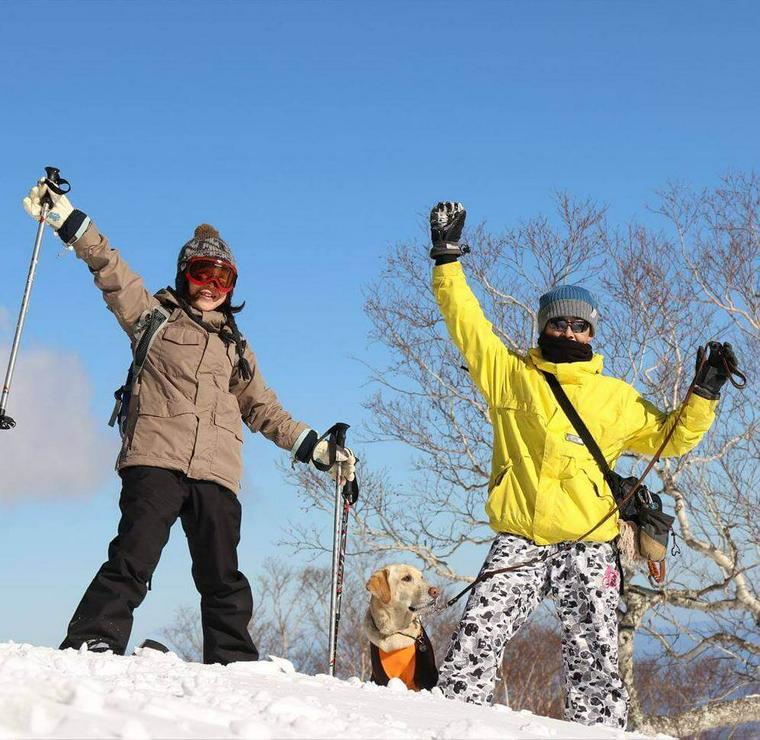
146	330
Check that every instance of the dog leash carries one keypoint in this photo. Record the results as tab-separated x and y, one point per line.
485	576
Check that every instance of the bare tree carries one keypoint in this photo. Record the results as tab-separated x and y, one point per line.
290	620
665	292
183	634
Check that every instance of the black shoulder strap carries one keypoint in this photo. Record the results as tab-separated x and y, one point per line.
146	330
151	323
580	427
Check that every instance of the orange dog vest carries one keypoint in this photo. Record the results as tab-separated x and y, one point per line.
414	665
400	664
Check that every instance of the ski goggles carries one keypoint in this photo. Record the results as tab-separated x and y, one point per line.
211	271
577	326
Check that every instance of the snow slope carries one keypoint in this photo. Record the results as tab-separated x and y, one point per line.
46	693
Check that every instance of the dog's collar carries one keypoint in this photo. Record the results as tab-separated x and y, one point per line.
397	632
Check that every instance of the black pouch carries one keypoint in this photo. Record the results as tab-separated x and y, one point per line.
644	509
621	487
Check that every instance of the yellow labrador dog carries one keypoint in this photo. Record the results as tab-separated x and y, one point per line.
400	648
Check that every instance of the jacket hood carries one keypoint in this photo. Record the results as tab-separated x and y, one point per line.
567	372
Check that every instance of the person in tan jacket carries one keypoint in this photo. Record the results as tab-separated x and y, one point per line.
182	437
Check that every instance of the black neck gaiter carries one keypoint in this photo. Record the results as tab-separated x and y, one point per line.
561	349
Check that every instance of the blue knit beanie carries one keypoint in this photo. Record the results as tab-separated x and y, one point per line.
568	300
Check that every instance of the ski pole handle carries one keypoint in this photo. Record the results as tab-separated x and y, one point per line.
338	431
56	183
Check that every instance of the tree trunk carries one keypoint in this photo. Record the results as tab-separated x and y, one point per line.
707	717
628	624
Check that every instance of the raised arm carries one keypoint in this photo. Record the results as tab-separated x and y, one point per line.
123	290
490	363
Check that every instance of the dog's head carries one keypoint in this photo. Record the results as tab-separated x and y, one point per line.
402	586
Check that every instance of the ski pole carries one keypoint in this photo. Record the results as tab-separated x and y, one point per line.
341	565
57	184
337	438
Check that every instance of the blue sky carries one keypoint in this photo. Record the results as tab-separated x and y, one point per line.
314	135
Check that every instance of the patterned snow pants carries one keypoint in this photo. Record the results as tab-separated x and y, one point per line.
583	582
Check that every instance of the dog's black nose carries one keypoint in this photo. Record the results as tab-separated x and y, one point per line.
434	592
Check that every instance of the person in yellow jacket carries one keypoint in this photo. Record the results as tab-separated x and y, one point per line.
545	490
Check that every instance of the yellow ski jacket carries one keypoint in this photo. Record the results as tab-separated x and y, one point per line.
544	484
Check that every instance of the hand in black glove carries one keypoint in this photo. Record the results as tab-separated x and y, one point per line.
721	362
446	224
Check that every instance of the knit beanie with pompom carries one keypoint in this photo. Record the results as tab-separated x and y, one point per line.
206	242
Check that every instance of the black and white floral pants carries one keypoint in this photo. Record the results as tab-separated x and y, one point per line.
583	581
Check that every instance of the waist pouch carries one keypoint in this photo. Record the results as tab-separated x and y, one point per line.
644	509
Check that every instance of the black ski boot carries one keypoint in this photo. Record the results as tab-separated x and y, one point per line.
97	645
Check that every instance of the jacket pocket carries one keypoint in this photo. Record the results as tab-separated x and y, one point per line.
581	476
229	420
163	436
179	334
499	477
227	461
181	350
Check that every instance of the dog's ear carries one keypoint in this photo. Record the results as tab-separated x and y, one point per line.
379	586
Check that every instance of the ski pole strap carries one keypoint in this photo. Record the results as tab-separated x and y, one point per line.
351	491
55	182
336	437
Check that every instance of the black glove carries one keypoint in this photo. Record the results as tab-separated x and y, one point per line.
446	224
721	363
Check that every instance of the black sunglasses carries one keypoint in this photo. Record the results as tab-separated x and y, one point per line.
577	326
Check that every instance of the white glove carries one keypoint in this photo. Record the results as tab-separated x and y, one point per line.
321	454
60	211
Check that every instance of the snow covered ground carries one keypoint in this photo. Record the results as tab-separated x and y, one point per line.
46	693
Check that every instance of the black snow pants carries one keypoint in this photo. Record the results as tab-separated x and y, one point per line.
151	500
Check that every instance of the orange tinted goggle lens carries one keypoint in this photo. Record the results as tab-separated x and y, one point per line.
206	271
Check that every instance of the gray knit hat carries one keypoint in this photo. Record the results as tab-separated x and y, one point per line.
568	300
206	242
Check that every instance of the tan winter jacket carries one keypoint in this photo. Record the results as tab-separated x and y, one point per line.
186	411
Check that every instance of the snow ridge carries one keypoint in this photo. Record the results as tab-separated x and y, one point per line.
47	693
